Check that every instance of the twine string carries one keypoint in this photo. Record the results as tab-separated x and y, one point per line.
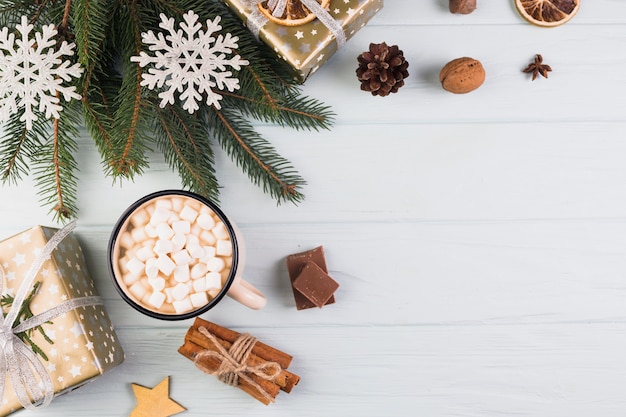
234	363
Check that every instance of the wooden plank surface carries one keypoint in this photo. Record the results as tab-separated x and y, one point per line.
479	240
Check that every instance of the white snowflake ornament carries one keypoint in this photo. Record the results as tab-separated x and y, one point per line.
190	61
32	73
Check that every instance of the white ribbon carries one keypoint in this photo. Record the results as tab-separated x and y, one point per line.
30	380
257	20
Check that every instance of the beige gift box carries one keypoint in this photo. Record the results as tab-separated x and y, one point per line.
84	342
307	47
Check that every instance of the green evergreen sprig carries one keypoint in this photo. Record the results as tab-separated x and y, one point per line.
125	120
6	301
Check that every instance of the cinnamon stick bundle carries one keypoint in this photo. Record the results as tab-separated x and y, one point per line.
260	355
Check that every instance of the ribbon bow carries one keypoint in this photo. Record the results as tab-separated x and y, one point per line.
30	380
257	20
234	362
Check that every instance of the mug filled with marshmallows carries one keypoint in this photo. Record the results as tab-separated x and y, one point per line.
174	255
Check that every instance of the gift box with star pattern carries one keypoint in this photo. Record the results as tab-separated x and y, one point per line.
84	344
306	47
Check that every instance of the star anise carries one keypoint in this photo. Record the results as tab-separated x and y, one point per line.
538	67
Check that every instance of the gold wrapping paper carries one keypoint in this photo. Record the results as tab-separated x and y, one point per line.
307	47
85	345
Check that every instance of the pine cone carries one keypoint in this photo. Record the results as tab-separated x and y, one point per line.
382	69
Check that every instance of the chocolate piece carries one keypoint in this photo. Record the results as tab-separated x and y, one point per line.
295	263
315	284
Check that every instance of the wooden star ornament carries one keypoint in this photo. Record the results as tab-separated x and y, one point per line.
155	402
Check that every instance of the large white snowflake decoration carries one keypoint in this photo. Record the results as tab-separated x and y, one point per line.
32	73
190	61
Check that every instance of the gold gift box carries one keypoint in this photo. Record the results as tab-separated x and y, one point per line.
307	47
84	342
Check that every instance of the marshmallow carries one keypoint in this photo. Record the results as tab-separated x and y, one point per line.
144	253
157	284
224	247
198	270
220	231
199	299
157	299
163	246
160	216
173	218
182	306
182	257
168	295
163	202
123	263
205	221
135	266
195	230
164	231
177	203
208	237
150	231
152	269
126	240
181	273
165	264
130	279
199	285
213	280
209	252
196	251
182	227
215	264
139	234
139	218
188	213
192	240
138	290
180	291
179	241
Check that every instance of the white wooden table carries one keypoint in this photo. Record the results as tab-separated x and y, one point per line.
479	240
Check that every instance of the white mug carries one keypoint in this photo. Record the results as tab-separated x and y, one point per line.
155	276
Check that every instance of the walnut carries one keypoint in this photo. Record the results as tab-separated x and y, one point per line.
462	6
462	75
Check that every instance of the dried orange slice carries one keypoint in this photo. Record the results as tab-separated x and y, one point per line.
295	14
548	13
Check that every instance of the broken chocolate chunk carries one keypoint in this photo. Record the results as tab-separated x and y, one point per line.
295	263
315	284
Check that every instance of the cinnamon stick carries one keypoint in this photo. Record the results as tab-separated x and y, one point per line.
285	380
190	350
260	349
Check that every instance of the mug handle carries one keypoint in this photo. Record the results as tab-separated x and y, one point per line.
245	293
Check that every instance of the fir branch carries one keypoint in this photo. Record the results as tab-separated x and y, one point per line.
12	11
25	313
90	19
18	146
187	150
123	120
13	163
255	155
101	87
129	132
297	112
55	168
